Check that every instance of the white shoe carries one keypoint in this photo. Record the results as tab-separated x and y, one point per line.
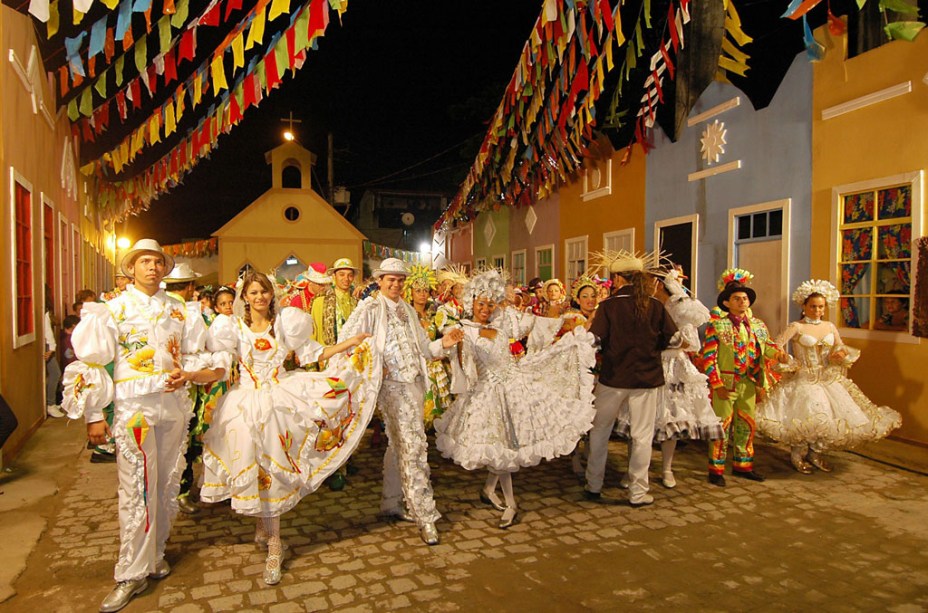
642	502
54	410
624	482
162	570
669	481
429	534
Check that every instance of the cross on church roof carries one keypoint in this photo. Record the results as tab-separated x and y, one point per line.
289	134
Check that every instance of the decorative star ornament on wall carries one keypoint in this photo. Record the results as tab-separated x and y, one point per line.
713	142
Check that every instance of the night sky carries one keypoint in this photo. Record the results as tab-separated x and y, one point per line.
397	83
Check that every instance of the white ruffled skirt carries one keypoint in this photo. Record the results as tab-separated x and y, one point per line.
684	410
267	448
537	410
831	414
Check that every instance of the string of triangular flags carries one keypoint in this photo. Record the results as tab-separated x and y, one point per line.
374	250
286	52
212	76
548	110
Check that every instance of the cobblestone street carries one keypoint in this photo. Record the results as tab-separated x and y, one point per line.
852	540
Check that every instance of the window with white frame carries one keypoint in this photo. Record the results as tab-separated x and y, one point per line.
876	222
575	257
65	264
21	210
79	277
620	240
480	263
518	268
544	262
49	248
499	262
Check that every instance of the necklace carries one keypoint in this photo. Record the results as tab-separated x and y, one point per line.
813	322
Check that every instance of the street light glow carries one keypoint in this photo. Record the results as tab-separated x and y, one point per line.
425	248
123	243
288	135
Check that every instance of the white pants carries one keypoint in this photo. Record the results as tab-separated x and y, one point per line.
151	437
406	462
642	407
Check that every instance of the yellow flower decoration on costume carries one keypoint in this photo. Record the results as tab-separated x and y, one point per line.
419	277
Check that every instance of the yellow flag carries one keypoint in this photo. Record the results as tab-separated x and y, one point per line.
53	17
219	75
169	123
238	51
278	8
256	32
179	112
197	89
111	4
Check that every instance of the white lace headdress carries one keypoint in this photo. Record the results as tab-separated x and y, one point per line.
816	286
489	284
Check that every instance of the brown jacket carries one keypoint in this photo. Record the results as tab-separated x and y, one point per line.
631	348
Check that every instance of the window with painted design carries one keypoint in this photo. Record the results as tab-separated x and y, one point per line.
875	257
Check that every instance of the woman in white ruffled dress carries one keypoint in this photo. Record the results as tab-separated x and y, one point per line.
276	435
514	412
815	406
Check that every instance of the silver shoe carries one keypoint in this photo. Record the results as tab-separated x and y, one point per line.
122	594
491	499
509	517
429	534
162	570
273	567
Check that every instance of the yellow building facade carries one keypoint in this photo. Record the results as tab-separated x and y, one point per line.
870	136
285	222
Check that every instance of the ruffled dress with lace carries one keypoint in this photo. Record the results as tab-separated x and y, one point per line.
815	402
276	435
518	412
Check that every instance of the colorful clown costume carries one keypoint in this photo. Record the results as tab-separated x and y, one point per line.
733	357
146	337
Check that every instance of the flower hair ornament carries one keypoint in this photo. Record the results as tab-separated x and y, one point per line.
582	281
734	275
488	284
419	277
816	286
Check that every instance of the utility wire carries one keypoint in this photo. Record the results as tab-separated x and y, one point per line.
416	165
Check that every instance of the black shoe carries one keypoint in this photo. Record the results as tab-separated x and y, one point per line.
599	498
748	474
102	458
716	479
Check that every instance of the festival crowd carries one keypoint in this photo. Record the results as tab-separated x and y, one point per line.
268	386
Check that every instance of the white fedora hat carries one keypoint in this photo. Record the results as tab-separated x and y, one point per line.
182	273
391	266
145	245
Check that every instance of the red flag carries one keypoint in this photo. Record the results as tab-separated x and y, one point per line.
248	91
232	5
136	89
63	80
170	67
291	46
109	45
270	69
121	104
211	18
671	21
186	46
235	114
666	56
607	14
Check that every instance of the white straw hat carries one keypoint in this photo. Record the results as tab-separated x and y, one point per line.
145	245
